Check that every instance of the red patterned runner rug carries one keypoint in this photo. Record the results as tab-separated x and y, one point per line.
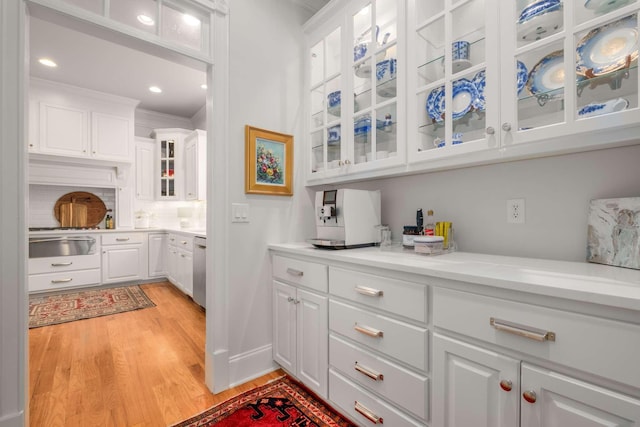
280	403
52	309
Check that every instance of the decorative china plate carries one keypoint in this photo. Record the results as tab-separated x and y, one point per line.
435	103
522	74
538	8
598	108
362	125
464	93
605	6
607	48
547	75
333	135
480	82
536	25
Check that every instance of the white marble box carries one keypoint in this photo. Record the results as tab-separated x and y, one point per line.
614	232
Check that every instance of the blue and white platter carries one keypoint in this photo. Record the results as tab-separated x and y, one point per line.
547	76
605	6
480	82
362	125
522	75
608	48
435	104
464	94
539	19
598	108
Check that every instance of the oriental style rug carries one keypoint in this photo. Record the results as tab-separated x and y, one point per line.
280	403
52	309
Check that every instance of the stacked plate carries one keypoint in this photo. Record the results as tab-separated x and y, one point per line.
539	18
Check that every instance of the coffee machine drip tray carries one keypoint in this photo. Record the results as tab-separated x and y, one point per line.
336	244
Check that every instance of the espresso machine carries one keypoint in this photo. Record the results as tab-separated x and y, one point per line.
347	218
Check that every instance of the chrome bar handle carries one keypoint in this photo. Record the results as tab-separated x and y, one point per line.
294	272
61	264
61	280
367	413
521	330
368	372
122	239
368	331
370	292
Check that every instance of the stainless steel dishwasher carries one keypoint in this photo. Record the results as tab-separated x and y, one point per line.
200	271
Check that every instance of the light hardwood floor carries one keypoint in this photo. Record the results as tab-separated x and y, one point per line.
141	368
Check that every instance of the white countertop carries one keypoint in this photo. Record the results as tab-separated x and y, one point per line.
580	281
191	232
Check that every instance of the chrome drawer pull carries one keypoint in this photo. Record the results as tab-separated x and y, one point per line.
61	264
368	331
370	292
184	242
521	330
366	371
294	272
367	413
61	281
122	239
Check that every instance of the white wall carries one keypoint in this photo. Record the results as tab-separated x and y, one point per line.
147	121
557	191
265	90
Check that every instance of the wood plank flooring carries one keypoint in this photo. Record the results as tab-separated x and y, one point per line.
141	368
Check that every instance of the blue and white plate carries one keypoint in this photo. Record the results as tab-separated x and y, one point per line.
362	125
480	82
605	6
547	75
464	93
435	104
333	135
539	19
598	108
608	48
522	74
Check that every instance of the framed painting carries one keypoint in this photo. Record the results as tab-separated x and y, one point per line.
268	162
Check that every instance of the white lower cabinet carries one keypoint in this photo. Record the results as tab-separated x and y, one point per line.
124	257
180	261
157	255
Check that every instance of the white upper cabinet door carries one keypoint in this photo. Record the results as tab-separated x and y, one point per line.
110	137
195	158
145	176
473	386
552	399
63	130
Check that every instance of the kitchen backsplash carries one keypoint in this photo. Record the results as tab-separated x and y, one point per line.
42	199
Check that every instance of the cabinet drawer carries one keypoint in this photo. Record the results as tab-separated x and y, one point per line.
303	273
392	337
347	396
71	279
396	296
56	264
181	241
122	238
398	385
604	347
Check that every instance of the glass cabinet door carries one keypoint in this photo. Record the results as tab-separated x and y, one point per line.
574	60
454	71
326	102
167	168
374	73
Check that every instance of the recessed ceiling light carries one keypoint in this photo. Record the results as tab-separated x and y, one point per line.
146	20
48	62
203	86
190	20
155	89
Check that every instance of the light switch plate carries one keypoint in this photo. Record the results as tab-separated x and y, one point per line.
239	212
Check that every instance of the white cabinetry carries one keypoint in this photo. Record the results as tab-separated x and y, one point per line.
180	261
145	163
124	257
300	314
539	366
74	122
378	347
157	255
195	155
170	172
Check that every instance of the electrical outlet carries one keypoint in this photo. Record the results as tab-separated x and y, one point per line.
515	211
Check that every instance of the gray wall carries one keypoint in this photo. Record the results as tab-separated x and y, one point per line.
557	191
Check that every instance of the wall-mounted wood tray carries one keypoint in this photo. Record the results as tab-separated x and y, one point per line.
79	209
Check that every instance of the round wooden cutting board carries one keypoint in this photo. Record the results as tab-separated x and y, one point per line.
70	209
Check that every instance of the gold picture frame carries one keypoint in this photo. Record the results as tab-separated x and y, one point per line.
268	162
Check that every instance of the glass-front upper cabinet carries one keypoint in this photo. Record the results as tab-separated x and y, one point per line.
453	67
576	63
167	169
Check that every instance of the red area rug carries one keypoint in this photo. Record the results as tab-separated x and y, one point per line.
281	403
52	309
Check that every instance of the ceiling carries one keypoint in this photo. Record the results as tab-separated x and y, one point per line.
98	64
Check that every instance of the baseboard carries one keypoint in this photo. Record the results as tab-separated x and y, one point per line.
250	365
218	363
13	420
